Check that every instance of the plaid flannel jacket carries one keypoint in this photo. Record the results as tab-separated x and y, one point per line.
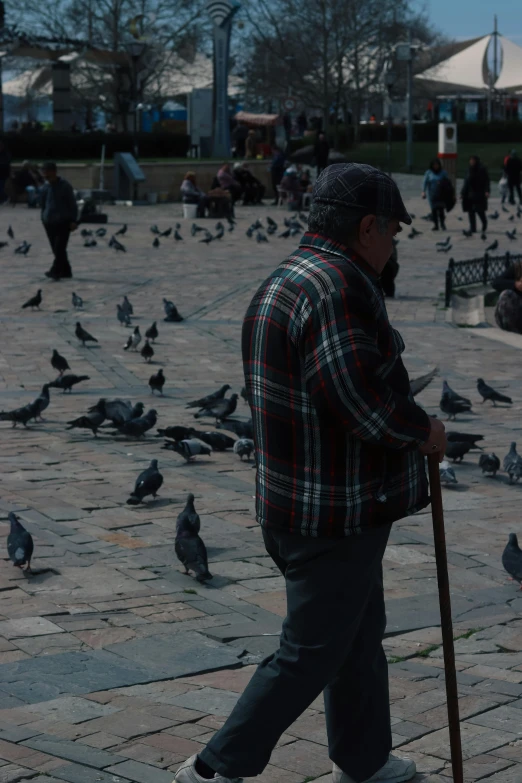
335	425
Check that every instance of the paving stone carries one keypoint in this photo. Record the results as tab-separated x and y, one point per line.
130	723
28	626
303	757
210	700
72	709
503	718
72	751
142	773
75	773
11	773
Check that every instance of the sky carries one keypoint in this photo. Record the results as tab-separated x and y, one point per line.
473	18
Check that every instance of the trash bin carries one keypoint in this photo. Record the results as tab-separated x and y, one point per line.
190	211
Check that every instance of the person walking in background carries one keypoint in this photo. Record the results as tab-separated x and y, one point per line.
59	217
251	145
5	170
321	152
475	193
432	190
513	172
340	444
277	170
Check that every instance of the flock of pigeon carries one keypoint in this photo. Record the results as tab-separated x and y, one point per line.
445	245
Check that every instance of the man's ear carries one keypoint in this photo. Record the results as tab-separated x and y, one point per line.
365	229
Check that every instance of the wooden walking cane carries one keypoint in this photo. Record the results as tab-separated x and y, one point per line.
452	696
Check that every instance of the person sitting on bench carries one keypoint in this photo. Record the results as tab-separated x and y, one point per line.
253	189
228	183
508	313
191	194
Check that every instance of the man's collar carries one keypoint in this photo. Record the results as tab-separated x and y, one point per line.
327	245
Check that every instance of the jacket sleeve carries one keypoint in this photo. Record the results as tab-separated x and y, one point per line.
425	181
70	207
505	282
342	364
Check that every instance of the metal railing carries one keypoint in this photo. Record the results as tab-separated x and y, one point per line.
476	271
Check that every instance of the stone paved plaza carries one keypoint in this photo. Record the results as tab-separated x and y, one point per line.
118	667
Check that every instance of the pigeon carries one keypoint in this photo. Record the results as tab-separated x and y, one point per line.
513	464
91	421
218	441
294	232
207	239
447	474
243	429
23	249
493	246
156	242
272	224
152	332
452	395
452	407
511	218
220	234
100	232
456	451
41	402
20	544
127	306
147	351
123	317
285	234
85	233
511	234
219	410
137	411
134	340
4	244
494	216
504	209
154	229
66	382
19	415
189	448
467	232
189	547
117	411
445	249
249	232
83	336
444	243
10	233
195	229
34	301
260	237
77	301
113	242
484	236
177	236
511	558
488	393
171	312
271	230
414	233
148	483
138	427
203	402
166	233
489	463
188	519
244	394
59	362
121	231
176	432
464	437
244	447
90	243
418	384
157	381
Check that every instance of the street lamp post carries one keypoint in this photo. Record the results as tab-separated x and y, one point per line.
389	81
405	52
135	50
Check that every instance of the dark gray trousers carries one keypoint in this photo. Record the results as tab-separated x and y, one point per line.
331	641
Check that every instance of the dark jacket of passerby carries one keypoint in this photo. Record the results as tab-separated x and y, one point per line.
58	203
5	163
321	151
513	168
475	188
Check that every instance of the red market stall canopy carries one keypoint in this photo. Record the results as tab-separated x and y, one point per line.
257	120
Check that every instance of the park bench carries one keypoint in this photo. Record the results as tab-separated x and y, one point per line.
476	274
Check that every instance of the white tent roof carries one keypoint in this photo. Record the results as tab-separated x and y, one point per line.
466	69
511	73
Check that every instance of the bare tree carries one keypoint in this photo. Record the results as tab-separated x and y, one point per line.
109	75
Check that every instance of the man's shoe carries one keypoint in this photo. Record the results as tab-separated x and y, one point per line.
52	275
394	771
187	774
66	275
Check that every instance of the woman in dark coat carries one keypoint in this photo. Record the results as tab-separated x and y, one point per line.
508	313
475	193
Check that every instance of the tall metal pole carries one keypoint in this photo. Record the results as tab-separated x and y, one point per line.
2	23
409	130
495	57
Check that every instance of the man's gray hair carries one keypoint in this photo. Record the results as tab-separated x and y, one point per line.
340	223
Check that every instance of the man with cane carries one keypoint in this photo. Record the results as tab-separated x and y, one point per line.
340	446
